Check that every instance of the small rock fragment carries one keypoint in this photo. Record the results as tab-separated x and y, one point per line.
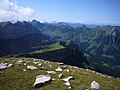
40	64
31	67
53	79
60	76
24	70
61	63
67	70
67	79
69	87
25	64
9	65
42	68
67	83
51	72
64	67
75	67
35	62
50	66
59	69
19	62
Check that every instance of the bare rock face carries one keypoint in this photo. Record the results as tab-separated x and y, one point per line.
95	85
41	80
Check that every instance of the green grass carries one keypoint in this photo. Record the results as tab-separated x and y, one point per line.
50	47
14	78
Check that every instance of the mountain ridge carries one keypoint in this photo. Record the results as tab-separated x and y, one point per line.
99	37
100	43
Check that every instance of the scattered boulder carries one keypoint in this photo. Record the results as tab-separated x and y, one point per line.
64	67
19	62
61	63
40	64
9	65
24	70
25	64
42	68
51	72
69	87
75	67
5	65
53	79
45	62
102	75
67	83
67	79
31	67
67	70
60	76
109	77
59	69
41	80
50	66
95	85
35	62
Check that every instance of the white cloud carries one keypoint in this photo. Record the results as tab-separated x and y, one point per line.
10	11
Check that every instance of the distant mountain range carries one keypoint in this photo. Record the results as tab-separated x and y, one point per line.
99	44
102	42
19	37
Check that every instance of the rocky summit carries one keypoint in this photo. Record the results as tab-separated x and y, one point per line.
19	77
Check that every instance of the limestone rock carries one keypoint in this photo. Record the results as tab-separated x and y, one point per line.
51	72
95	85
60	76
31	67
41	80
59	69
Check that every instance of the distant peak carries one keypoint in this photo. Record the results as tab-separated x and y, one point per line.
5	23
63	23
18	22
84	26
97	26
35	21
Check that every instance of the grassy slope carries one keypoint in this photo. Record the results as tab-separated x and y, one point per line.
14	78
45	48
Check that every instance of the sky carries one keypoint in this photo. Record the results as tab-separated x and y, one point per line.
83	11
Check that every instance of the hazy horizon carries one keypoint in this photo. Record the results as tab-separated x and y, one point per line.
100	12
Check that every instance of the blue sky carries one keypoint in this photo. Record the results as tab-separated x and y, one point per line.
84	11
